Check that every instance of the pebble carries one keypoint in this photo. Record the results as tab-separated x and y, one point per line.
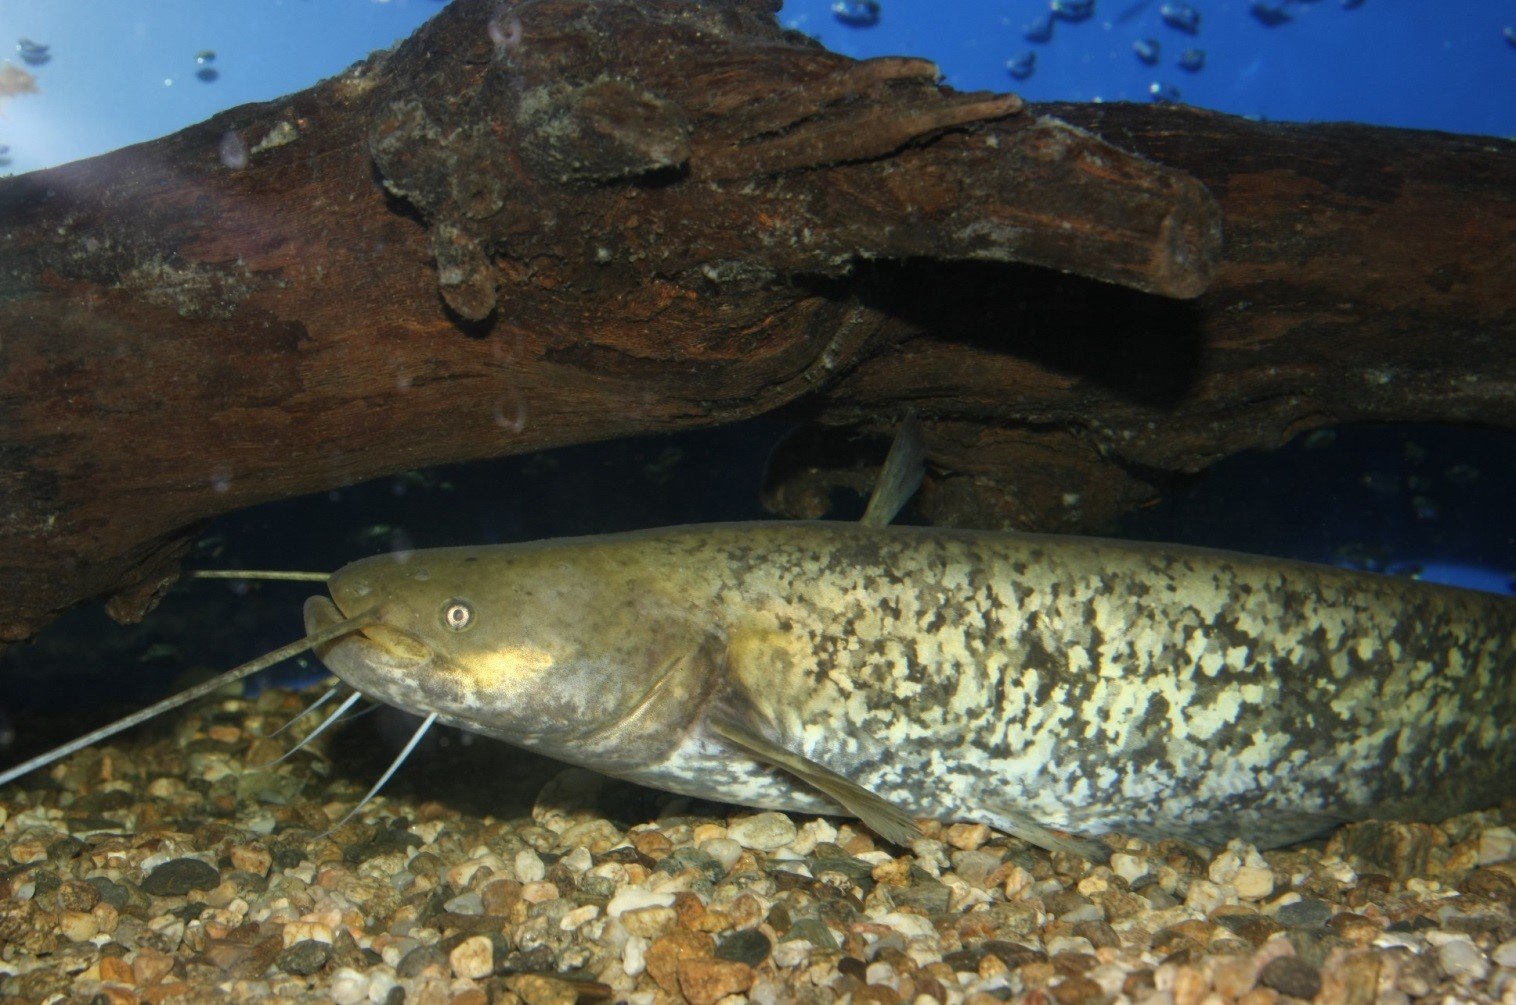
1253	883
304	957
349	987
762	831
749	946
529	867
707	981
179	876
1290	975
473	957
416	902
1304	914
636	899
1498	844
1463	961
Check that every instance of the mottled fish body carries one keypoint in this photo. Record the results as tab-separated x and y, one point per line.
1024	681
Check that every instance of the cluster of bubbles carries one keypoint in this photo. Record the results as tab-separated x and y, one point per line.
1182	17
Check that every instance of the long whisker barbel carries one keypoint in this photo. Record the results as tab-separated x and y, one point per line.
330	692
336	714
335	631
410	745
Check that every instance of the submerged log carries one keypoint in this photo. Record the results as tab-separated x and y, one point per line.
556	221
1366	277
529	225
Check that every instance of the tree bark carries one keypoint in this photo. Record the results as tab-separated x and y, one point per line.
1366	277
556	221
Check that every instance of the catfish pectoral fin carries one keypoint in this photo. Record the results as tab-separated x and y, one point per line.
880	815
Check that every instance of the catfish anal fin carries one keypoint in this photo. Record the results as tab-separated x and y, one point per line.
880	815
900	476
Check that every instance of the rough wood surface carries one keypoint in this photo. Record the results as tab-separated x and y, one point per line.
1366	276
532	224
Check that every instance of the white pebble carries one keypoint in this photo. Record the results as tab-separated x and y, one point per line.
762	831
1128	867
634	955
380	984
473	957
791	954
529	868
1498	844
1505	954
812	833
349	987
725	851
882	973
1204	896
579	860
635	899
1462	960
912	926
578	916
1069	944
1223	868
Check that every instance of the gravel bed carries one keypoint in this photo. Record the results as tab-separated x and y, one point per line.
164	867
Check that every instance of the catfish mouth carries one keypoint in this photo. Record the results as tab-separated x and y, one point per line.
376	645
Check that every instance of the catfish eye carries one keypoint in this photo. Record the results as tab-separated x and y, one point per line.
457	615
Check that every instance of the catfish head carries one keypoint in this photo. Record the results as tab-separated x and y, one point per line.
571	648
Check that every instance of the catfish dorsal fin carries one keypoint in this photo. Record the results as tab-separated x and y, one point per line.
900	476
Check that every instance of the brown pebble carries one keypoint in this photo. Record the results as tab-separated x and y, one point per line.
654	844
1078	990
251	858
1292	976
1487	884
77	895
1356	928
706	981
1233	978
1259	996
151	966
1099	933
966	836
876	994
536	989
1190	986
1138	982
109	995
114	968
1351	979
1037	975
667	951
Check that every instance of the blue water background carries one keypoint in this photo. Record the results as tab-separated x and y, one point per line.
124	72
